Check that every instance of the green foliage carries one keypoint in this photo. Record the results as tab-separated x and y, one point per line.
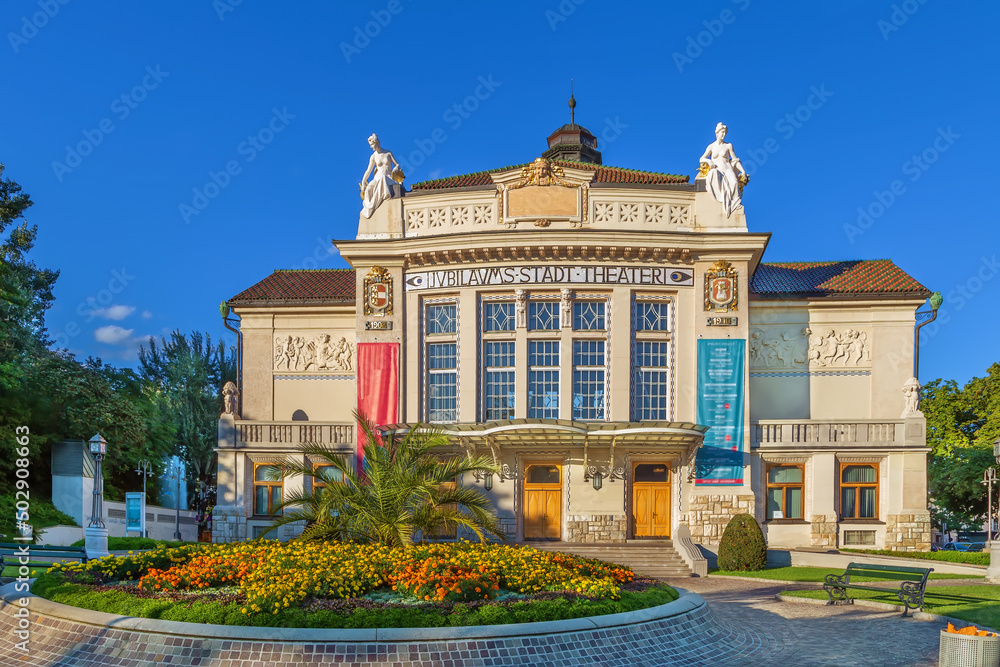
742	547
972	558
41	514
187	374
961	427
133	543
405	488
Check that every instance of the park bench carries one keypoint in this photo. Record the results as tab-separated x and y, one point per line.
910	591
14	551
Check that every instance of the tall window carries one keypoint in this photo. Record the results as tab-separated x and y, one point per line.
588	379
858	491
441	387
651	381
543	315
784	492
543	379
267	487
498	380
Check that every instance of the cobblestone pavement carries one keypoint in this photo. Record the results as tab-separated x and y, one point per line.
791	634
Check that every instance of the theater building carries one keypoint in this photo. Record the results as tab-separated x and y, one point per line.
614	340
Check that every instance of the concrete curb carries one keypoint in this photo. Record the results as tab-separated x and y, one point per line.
687	603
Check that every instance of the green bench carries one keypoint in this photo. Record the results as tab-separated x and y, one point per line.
912	583
15	551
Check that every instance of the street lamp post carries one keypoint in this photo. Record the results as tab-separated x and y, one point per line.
993	571
936	300
175	474
145	470
96	534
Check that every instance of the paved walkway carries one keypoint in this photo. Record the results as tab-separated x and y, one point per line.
792	634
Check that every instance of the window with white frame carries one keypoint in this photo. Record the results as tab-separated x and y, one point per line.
498	316
588	379
498	380
652	315
589	315
543	315
543	379
441	359
651	381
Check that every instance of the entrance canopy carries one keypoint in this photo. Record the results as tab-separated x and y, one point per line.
547	432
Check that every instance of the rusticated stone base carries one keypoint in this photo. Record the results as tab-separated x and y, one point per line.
824	530
596	528
709	514
908	532
509	526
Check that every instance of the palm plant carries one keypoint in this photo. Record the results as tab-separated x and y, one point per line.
404	487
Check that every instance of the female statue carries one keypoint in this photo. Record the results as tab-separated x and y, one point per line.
718	168
386	170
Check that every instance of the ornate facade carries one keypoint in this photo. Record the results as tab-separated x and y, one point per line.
614	340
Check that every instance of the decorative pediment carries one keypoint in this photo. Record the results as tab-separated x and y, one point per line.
542	193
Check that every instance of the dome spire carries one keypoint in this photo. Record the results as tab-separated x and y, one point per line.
572	104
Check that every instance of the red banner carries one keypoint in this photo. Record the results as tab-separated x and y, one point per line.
378	387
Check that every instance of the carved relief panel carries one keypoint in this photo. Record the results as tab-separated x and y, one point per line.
313	353
803	348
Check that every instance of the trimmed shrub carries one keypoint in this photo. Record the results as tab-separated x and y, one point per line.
742	547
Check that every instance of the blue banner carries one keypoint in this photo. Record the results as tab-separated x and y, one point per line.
720	406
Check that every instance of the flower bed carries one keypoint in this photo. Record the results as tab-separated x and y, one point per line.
310	584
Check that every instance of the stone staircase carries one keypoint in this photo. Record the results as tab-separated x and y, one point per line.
652	558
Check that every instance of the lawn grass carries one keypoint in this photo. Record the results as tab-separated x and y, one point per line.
815	574
36	569
967	557
976	604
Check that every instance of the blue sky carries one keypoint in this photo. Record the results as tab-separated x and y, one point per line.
179	152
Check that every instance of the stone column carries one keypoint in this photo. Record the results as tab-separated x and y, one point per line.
993	571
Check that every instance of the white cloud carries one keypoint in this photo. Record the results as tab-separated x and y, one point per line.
116	313
112	334
146	314
435	174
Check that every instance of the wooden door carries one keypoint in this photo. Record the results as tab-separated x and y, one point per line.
651	500
543	502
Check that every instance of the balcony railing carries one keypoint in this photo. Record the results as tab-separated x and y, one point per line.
252	433
810	433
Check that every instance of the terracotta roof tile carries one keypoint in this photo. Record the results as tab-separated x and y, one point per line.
300	286
867	276
604	175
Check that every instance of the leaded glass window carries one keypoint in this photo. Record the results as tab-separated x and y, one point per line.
588	379
442	318
498	315
652	316
589	315
543	379
543	315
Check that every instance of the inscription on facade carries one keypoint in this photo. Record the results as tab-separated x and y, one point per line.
378	325
550	275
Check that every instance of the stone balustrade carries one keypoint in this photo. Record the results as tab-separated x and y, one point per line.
820	433
260	433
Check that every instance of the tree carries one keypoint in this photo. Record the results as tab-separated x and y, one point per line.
188	373
961	427
405	487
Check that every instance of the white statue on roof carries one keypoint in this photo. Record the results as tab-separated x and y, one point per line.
718	167
387	172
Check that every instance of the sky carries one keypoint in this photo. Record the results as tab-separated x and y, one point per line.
178	152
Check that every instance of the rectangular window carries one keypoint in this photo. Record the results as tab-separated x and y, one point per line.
589	315
543	315
859	538
858	491
498	380
651	381
543	379
442	382
498	316
652	316
267	485
588	379
784	492
442	318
